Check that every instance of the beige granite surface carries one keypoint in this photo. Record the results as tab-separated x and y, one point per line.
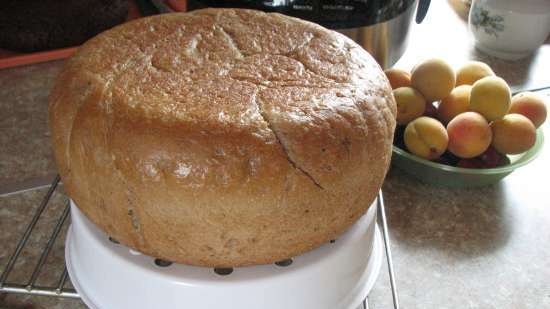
452	248
471	248
15	213
24	140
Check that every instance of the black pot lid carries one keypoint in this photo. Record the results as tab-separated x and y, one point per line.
333	14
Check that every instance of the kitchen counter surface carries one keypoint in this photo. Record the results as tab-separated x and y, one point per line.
453	248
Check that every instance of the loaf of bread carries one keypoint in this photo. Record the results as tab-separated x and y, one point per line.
34	25
222	137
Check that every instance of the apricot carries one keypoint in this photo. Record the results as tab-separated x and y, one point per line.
434	78
490	96
471	72
469	135
529	105
410	104
455	103
398	78
426	137
513	134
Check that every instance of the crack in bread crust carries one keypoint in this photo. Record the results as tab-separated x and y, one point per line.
231	42
283	147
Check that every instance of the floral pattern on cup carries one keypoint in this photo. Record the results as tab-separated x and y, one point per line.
491	24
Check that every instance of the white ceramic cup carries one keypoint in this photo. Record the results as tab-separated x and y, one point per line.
509	29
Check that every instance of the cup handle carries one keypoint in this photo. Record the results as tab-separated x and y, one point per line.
422	10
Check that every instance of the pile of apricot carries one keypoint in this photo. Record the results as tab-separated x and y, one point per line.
466	118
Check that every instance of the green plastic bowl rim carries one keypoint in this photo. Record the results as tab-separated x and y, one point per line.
528	156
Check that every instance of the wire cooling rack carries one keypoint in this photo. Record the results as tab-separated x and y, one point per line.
30	287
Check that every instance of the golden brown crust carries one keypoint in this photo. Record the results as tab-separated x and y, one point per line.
222	137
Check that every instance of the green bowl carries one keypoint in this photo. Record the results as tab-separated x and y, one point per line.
450	176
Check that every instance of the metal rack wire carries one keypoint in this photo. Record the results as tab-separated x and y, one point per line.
30	287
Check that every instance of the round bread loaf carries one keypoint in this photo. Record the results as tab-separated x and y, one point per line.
222	137
33	25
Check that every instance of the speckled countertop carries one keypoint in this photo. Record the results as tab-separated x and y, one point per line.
452	248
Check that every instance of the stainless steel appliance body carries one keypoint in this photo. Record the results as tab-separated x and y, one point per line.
385	41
